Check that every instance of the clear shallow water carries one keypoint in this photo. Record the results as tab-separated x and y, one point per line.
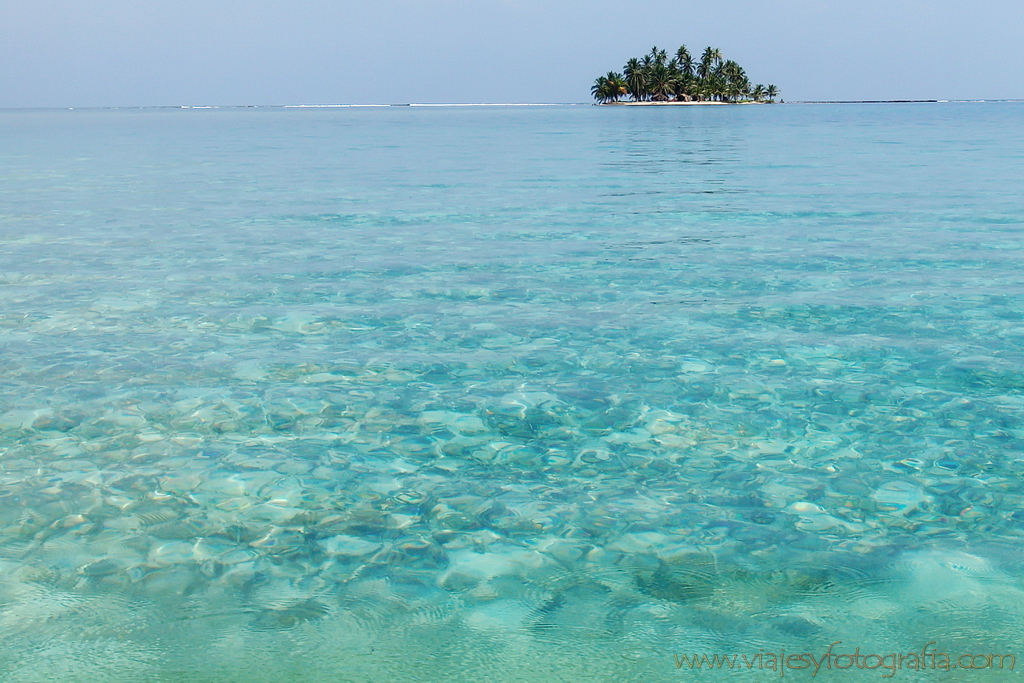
508	394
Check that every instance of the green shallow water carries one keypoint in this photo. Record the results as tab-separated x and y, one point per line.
508	394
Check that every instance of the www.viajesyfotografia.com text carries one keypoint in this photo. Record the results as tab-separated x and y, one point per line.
924	660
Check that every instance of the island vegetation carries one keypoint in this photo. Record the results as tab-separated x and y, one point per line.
657	78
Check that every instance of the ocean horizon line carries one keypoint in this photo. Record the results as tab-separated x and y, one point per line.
305	106
466	104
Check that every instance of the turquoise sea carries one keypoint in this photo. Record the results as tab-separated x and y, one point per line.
552	393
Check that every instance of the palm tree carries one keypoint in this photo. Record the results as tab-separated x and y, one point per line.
733	91
661	82
734	70
616	85
710	62
636	79
684	70
705	66
758	92
608	88
734	78
772	92
685	61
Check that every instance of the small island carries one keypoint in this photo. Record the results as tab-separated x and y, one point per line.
656	79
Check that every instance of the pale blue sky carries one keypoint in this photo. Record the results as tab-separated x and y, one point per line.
75	53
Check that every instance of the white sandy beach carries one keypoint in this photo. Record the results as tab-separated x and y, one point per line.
671	104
